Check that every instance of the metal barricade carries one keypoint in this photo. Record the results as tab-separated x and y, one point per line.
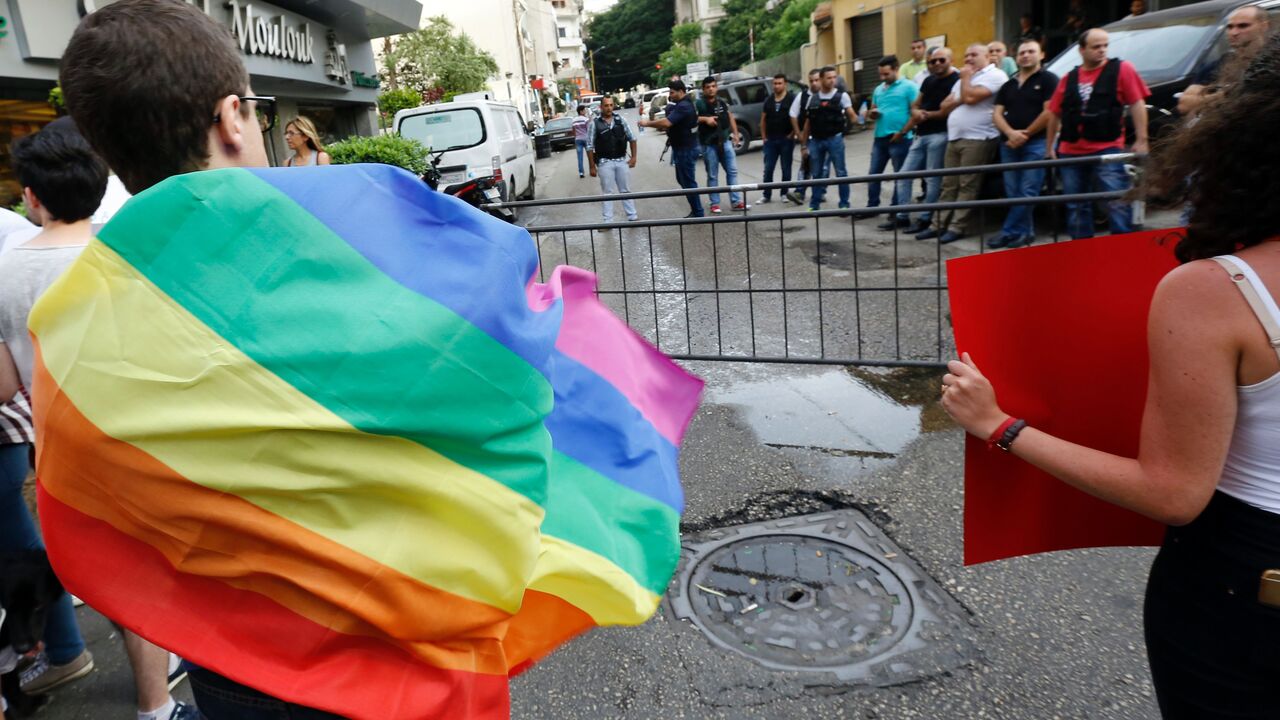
789	287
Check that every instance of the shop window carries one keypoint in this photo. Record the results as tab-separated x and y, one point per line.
17	118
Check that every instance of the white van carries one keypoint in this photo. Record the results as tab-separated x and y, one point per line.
483	138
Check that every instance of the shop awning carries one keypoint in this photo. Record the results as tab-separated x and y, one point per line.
368	18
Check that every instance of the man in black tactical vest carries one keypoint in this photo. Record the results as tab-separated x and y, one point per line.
681	124
779	137
824	132
1088	118
607	150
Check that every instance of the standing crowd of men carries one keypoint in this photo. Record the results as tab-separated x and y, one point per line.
997	106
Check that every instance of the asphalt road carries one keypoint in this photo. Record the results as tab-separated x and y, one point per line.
1057	635
1050	636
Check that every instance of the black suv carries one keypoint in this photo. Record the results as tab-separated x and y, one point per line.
1169	49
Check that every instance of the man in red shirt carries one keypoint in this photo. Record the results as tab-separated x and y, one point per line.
1088	117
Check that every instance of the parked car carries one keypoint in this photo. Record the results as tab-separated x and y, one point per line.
560	132
657	105
646	102
479	138
1169	49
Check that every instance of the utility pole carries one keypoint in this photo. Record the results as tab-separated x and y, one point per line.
593	52
751	38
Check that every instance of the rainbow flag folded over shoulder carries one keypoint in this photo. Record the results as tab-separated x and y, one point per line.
317	430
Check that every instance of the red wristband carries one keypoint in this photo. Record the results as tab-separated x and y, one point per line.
1008	423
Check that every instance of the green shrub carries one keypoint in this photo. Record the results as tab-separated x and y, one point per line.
386	149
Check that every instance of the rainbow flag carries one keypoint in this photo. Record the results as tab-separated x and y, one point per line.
319	431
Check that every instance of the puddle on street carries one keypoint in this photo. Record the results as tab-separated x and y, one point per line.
868	416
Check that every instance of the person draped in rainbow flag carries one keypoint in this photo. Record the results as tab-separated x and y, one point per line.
320	431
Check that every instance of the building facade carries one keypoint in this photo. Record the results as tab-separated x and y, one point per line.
705	12
571	65
522	37
854	34
318	61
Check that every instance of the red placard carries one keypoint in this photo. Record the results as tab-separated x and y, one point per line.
1061	331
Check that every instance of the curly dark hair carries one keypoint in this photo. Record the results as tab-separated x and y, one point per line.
1227	163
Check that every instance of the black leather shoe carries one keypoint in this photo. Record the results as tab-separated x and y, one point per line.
1023	241
928	234
1000	241
916	228
894	223
949	236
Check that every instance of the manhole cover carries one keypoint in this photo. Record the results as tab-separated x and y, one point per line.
825	593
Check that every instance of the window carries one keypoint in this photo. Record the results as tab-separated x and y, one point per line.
563	32
457	129
724	95
753	93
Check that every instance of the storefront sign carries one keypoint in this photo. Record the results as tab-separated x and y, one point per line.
359	79
257	35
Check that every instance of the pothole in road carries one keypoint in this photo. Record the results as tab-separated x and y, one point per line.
853	416
825	594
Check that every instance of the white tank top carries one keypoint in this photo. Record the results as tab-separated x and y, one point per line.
1252	470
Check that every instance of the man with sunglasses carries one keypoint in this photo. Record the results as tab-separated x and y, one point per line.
929	121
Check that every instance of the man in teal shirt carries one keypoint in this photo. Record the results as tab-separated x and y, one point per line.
890	109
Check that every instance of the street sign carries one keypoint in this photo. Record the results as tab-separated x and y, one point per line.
701	69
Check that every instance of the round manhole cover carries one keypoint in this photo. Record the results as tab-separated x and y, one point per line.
798	602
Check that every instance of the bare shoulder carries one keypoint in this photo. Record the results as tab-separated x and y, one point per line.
1195	282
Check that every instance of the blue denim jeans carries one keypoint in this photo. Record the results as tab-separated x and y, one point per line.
220	698
581	147
615	178
928	152
1022	184
821	152
713	157
775	150
686	161
1108	177
62	637
882	152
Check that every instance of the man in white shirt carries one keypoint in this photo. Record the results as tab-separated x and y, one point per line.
972	139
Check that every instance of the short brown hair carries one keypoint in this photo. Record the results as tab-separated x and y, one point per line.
142	79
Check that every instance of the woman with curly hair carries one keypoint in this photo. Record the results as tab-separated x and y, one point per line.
1208	463
304	141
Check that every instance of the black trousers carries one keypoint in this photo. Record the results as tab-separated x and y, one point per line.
1214	649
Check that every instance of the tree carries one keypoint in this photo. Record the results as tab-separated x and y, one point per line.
686	34
675	61
730	41
634	33
437	56
393	101
789	32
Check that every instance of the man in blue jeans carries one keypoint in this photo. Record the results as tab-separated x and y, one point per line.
1022	116
929	151
779	137
581	126
718	133
891	112
1088	118
824	133
681	124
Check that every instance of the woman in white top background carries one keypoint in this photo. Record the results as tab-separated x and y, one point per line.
304	141
1208	463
